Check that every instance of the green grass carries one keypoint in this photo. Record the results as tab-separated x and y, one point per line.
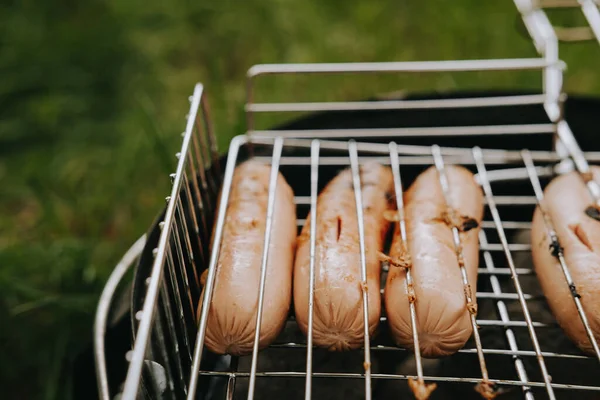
93	97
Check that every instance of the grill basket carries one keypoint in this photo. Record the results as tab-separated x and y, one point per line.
517	347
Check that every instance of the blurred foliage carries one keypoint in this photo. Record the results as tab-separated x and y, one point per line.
92	100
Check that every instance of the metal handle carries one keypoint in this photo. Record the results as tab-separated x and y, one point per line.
106	299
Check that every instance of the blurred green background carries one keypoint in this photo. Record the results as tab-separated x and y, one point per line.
93	96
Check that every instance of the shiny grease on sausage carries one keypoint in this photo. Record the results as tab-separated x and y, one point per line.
443	318
233	309
338	322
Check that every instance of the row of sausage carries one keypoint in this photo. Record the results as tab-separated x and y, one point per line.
443	303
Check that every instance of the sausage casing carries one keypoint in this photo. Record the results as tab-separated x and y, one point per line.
338	322
233	309
566	200
443	319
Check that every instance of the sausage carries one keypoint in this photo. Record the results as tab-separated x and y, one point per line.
443	319
566	200
233	309
338	321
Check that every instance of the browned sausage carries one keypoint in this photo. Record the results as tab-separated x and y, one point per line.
443	320
338	322
232	313
566	199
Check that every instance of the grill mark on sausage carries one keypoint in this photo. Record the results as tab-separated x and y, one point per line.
581	236
555	248
593	213
468	224
339	229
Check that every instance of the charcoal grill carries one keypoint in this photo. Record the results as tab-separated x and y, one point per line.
517	349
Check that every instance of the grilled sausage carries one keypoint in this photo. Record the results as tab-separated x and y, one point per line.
338	322
443	320
233	309
567	203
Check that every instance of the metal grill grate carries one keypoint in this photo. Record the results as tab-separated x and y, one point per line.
497	293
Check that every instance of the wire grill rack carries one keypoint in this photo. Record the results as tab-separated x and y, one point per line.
168	359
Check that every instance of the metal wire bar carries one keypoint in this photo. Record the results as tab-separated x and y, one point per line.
496	216
181	257
168	315
181	318
354	163
406	160
500	200
314	185
214	256
444	131
496	101
490	155
470	303
232	379
188	246
194	217
345	375
568	139
198	208
198	164
160	341
277	148
207	157
215	166
592	14
103	309
558	250
515	353
404	66
504	316
484	224
399	192
387	67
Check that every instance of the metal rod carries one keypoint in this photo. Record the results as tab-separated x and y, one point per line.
555	242
214	256
212	142
181	319
134	372
405	160
104	304
568	139
233	365
496	216
168	315
592	14
160	342
344	375
504	316
399	192
496	101
277	149
199	203
188	245
199	166
382	348
484	224
354	162
181	256
500	200
314	187
470	302
405	66
490	155
444	131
